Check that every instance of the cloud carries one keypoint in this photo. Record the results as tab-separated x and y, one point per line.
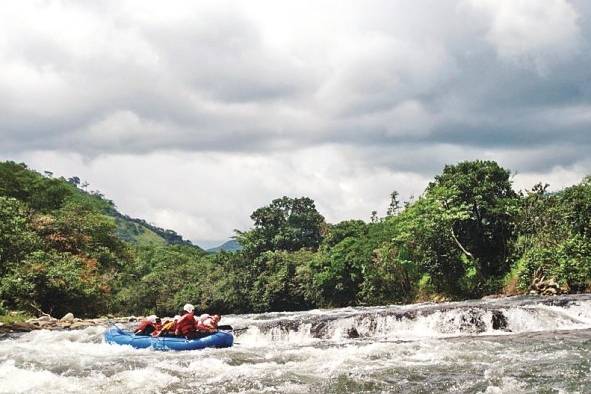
529	31
226	76
205	196
341	101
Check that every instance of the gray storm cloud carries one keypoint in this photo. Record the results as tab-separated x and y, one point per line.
386	91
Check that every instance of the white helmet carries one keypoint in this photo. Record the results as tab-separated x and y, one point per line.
189	308
151	318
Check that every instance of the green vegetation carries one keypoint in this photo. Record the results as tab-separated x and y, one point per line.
555	237
10	318
140	232
63	249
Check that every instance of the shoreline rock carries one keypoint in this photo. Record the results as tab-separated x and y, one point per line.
546	286
68	322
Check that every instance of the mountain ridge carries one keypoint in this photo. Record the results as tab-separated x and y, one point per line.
229	246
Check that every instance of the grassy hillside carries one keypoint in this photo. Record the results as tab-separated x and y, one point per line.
135	233
140	232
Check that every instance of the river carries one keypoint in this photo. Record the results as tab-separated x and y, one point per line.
507	345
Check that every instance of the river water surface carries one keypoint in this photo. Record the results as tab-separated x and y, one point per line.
510	345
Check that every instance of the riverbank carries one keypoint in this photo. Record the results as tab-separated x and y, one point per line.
17	322
67	322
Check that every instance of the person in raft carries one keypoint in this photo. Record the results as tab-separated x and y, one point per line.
148	326
203	324
168	327
207	323
186	326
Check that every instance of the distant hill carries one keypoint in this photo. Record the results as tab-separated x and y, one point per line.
140	232
228	246
134	230
43	192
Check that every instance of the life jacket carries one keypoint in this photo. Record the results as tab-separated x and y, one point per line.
207	324
146	327
167	327
186	325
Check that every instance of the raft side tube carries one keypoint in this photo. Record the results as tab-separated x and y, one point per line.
219	339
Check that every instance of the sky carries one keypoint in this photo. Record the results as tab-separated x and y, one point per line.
192	114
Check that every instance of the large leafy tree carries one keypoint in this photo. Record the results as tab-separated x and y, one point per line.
286	224
485	232
425	236
66	260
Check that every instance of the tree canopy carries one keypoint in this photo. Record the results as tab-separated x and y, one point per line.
288	224
63	249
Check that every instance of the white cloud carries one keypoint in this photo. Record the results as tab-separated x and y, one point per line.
206	196
531	31
194	114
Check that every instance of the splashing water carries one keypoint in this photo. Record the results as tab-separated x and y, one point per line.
517	345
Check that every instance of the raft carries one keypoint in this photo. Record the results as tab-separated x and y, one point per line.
219	339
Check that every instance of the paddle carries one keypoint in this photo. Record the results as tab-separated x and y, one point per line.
230	328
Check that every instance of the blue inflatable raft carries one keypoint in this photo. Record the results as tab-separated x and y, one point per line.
118	336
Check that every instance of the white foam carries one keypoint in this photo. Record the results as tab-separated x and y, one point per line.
283	359
507	385
466	321
30	380
547	318
145	379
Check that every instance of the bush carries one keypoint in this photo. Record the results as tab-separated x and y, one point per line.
569	263
57	283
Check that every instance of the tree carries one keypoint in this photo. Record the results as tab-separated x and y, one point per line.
17	238
487	233
280	287
74	180
339	265
161	279
286	224
56	283
374	217
391	277
80	229
394	207
229	284
35	190
424	235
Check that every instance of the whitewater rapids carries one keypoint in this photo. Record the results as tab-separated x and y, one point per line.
510	345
